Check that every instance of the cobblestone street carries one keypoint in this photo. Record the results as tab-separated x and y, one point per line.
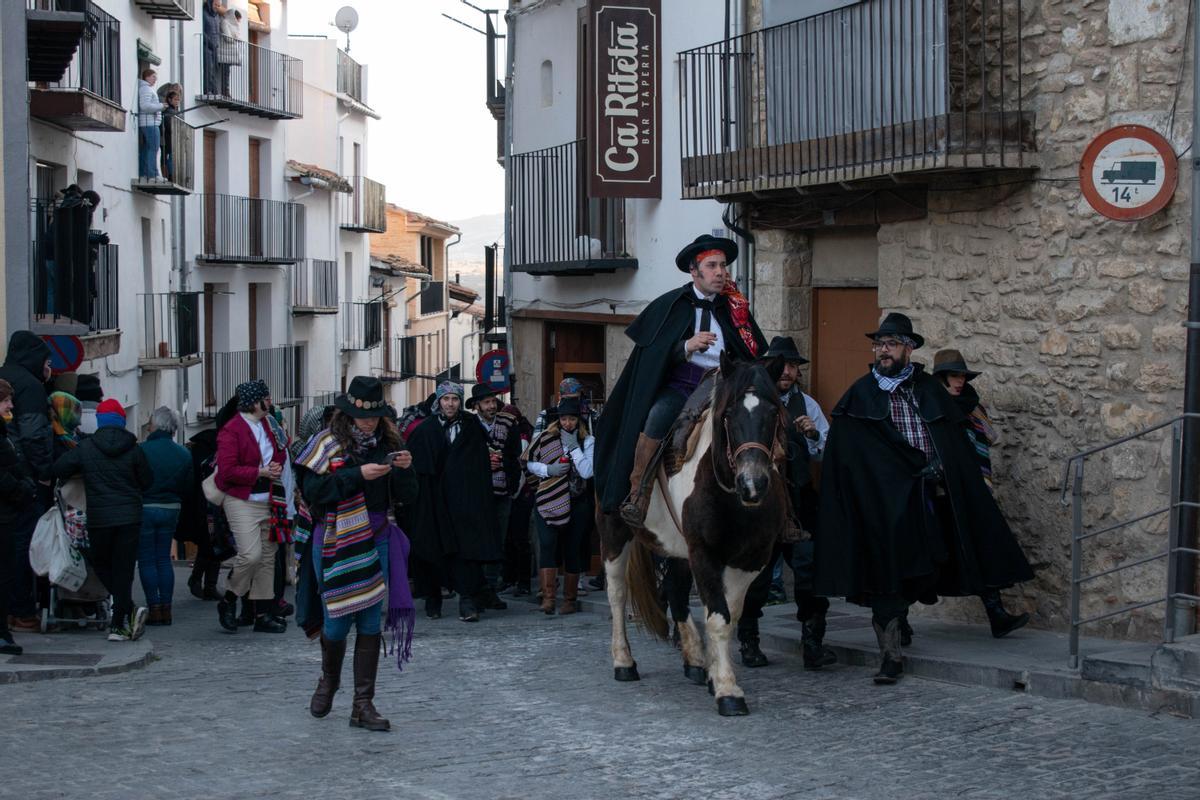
524	706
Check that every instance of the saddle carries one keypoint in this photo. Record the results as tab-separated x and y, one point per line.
679	445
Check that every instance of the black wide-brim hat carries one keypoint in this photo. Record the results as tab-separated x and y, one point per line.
897	324
481	391
570	406
952	361
705	242
363	399
784	347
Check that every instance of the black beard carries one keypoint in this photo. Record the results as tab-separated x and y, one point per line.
894	370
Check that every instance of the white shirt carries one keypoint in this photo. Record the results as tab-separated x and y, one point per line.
816	447
266	449
581	457
711	357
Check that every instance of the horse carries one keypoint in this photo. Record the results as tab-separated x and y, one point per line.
719	516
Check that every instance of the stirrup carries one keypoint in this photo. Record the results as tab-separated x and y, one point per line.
632	514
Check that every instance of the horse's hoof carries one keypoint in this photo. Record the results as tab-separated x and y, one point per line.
732	706
710	687
626	673
696	675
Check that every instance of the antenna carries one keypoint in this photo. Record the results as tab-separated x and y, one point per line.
346	20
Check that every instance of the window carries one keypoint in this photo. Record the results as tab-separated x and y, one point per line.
427	253
547	84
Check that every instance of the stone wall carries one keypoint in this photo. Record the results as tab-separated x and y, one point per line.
1073	319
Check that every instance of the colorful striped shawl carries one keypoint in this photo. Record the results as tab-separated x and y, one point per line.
350	569
553	497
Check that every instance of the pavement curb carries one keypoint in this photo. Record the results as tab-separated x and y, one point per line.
140	654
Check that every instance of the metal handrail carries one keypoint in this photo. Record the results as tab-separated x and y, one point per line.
1073	478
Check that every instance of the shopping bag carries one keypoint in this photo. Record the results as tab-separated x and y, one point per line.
51	553
211	492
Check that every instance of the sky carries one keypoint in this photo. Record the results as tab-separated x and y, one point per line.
435	147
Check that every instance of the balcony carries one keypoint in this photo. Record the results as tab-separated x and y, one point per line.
53	29
281	367
170	324
168	9
86	95
365	209
396	360
75	270
244	77
874	90
352	84
362	325
177	160
251	230
314	287
556	228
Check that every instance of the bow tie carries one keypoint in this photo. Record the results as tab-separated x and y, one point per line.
706	308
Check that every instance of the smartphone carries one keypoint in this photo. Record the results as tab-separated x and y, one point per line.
390	457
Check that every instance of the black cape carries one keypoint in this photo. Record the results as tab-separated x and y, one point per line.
878	533
658	334
455	516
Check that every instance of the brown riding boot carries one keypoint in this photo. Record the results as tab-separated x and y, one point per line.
549	587
570	603
332	656
366	666
641	482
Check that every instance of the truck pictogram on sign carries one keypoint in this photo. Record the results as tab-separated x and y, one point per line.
1128	172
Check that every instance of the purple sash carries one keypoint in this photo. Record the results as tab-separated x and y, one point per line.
686	377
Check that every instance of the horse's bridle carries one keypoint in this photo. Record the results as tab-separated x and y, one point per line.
731	455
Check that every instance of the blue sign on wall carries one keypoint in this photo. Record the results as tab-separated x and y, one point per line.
492	370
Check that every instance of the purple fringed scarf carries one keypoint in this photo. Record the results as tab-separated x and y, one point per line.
401	611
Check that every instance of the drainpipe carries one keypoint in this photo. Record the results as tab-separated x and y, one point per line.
462	348
335	242
446	255
179	232
747	255
510	33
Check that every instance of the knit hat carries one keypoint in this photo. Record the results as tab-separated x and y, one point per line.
447	387
251	392
570	386
110	414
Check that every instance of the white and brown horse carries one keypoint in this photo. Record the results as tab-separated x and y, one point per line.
720	516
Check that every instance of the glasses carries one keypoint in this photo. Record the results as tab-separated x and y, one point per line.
887	344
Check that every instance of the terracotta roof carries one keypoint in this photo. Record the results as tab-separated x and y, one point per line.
399	264
336	182
463	292
417	219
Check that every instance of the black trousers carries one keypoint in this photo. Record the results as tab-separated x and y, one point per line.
113	554
569	538
518	550
462	575
799	556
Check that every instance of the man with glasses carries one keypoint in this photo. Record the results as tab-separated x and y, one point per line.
905	514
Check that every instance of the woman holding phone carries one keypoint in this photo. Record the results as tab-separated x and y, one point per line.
352	474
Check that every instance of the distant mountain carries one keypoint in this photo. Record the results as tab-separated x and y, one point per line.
466	257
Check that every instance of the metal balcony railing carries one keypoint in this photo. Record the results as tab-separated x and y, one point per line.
362	324
364	209
53	29
314	286
351	78
556	227
875	88
87	94
250	230
282	368
170	324
254	80
177	160
1081	535
74	270
168	9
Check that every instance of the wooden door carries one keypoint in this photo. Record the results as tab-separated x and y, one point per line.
256	70
254	216
210	192
841	351
574	350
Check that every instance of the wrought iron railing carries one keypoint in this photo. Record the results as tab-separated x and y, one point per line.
74	269
170	324
282	368
168	9
556	227
177	159
252	79
362	324
96	66
364	209
251	230
351	78
1081	535
877	87
315	286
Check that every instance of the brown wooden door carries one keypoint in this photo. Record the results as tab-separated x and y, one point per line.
574	350
210	191
257	70
254	216
841	351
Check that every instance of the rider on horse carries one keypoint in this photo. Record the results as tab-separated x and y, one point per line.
678	338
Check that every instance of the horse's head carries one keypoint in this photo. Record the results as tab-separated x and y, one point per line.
747	420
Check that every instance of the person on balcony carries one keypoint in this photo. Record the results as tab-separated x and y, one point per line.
149	125
250	455
172	109
214	12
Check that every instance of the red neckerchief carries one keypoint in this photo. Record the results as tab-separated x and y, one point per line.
739	310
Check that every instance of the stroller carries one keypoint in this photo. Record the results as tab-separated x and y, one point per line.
88	606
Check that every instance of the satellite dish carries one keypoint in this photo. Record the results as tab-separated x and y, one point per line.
346	19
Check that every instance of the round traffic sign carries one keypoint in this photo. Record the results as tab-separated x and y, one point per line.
66	353
1128	172
492	370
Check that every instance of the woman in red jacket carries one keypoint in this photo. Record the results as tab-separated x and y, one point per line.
250	456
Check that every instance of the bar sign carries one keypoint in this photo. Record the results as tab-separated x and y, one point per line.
625	145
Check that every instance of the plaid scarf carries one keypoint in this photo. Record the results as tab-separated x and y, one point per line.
65	416
889	385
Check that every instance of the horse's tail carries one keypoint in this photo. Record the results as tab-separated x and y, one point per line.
641	579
